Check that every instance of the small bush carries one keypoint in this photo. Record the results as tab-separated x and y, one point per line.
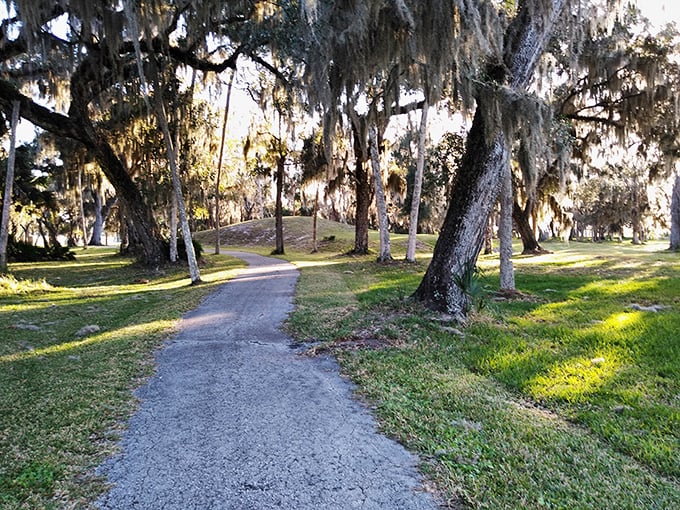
19	251
182	250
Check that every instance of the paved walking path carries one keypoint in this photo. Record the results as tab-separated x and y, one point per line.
236	419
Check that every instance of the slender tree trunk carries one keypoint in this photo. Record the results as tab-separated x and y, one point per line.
9	182
219	164
675	215
417	187
81	208
488	236
98	225
363	192
194	271
383	222
507	272
315	213
362	205
477	182
260	196
278	214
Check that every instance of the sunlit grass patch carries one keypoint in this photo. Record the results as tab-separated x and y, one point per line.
65	386
10	286
565	398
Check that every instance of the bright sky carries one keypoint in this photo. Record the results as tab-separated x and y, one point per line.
660	12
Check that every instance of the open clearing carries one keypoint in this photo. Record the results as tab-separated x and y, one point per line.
567	396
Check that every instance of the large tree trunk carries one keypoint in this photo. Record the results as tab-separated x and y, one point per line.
417	187
477	183
9	181
474	194
383	222
675	215
507	272
278	214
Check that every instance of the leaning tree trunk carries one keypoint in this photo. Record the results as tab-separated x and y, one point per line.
521	216
78	126
417	187
474	194
477	183
194	272
507	272
675	215
9	181
383	223
173	228
218	178
278	213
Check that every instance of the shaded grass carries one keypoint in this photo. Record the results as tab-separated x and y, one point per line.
62	396
565	398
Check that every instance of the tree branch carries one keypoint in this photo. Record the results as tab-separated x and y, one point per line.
48	120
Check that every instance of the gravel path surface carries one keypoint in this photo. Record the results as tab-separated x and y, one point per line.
235	419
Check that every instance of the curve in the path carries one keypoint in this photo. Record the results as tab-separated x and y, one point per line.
236	419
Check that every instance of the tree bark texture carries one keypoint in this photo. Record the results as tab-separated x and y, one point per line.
675	215
507	272
173	228
478	180
9	182
383	222
278	213
417	187
474	194
98	225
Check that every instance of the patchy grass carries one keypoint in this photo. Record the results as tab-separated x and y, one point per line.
566	397
64	393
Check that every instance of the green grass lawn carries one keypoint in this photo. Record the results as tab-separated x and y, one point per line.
64	394
566	397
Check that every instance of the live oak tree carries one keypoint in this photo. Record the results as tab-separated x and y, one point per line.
625	94
95	65
478	179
